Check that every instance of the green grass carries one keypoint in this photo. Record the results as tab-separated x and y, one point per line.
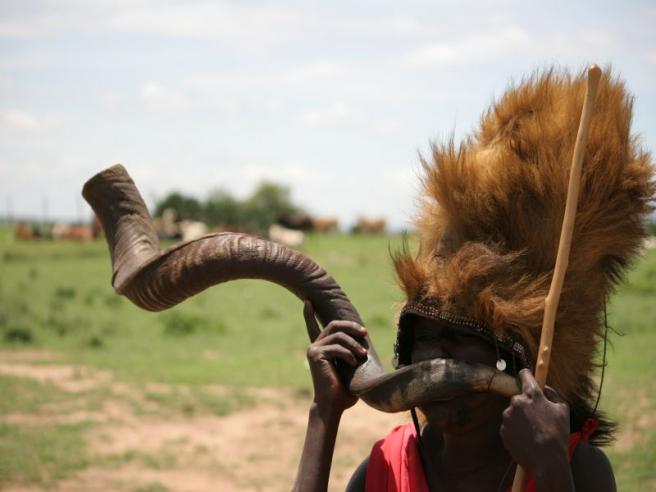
60	295
250	333
629	394
21	395
40	454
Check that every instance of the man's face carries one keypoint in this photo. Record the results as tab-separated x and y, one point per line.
438	339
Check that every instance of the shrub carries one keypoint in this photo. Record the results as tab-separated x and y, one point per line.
181	323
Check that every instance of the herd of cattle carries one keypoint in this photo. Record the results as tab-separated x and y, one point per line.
289	230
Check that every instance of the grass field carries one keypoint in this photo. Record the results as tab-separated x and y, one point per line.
56	301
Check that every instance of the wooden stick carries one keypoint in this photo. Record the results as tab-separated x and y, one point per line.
562	259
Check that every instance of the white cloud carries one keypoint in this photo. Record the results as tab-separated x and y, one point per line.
386	126
156	97
474	47
250	25
220	81
514	41
20	120
7	84
291	173
336	113
400	25
595	38
221	21
587	43
320	69
302	73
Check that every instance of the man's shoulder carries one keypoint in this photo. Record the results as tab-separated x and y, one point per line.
359	477
591	469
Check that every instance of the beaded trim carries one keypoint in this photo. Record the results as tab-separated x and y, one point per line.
429	309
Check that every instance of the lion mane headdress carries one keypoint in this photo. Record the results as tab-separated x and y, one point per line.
491	213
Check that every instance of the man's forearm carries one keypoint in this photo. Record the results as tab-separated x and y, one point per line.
314	468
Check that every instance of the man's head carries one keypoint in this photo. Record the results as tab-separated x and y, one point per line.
492	209
428	339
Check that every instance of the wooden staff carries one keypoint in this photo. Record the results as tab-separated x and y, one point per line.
562	259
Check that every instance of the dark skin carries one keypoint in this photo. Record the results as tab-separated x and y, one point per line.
470	443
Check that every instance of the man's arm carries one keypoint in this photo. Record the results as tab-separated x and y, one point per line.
316	460
331	398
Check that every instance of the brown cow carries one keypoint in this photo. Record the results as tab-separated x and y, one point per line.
366	225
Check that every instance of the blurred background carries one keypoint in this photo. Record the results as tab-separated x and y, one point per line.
304	116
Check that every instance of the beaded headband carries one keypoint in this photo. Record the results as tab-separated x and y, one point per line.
429	308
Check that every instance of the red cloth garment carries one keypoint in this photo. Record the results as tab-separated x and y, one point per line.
395	464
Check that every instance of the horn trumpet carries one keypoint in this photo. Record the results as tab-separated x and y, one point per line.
156	280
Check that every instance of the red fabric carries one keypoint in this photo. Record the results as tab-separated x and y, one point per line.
395	464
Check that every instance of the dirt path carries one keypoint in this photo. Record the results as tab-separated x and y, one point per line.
137	444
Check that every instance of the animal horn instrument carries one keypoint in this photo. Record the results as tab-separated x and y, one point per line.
156	280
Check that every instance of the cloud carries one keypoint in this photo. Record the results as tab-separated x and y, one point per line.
303	73
336	113
312	71
512	41
219	21
465	50
291	173
259	25
159	98
399	25
7	84
20	120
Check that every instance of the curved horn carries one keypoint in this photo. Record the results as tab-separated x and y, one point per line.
156	280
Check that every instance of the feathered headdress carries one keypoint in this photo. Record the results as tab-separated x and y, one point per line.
491	214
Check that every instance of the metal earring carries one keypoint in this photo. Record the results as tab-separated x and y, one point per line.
501	363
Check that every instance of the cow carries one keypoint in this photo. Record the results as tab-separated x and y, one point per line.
325	224
288	237
365	225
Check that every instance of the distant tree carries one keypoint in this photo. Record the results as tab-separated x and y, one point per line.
268	203
186	207
222	208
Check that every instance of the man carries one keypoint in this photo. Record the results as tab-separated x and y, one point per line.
488	236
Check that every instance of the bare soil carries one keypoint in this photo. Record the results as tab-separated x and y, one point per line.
136	445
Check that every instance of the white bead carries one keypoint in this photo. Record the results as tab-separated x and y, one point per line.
501	365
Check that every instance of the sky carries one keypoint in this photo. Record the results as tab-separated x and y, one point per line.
335	99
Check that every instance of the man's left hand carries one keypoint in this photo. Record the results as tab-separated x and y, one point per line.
535	427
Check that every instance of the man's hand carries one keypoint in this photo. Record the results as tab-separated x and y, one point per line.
535	430
336	342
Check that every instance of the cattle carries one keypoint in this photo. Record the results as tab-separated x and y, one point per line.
298	221
288	237
25	232
190	229
166	225
75	232
366	225
325	224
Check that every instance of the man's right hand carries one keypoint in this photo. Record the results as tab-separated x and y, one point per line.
336	341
